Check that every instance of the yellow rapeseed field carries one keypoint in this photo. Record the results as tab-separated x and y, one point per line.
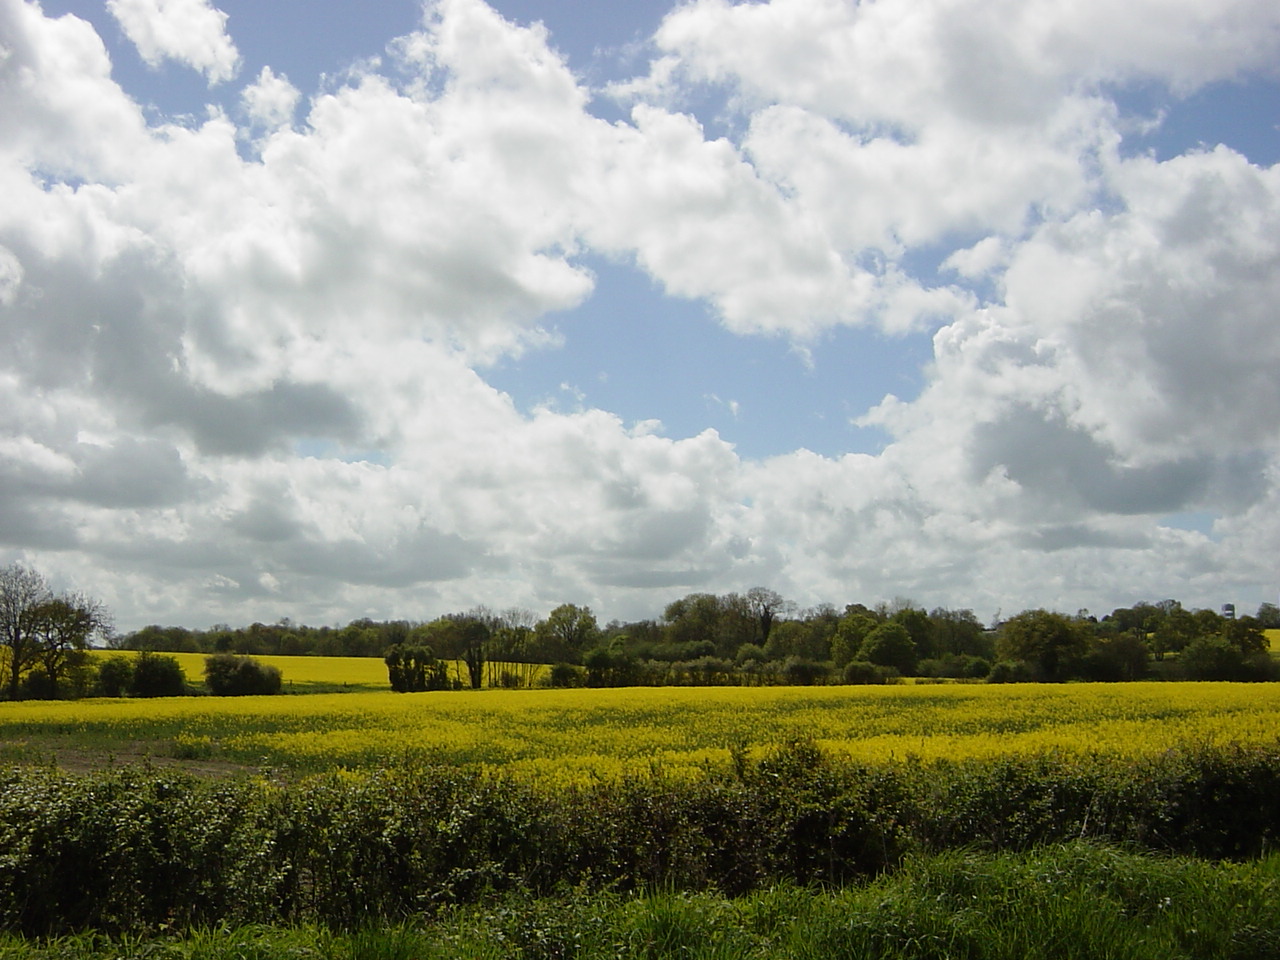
357	672
558	736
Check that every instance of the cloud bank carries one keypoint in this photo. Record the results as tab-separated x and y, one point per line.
243	358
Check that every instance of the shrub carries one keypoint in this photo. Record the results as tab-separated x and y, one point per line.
799	672
228	675
1011	671
862	672
564	675
155	675
115	676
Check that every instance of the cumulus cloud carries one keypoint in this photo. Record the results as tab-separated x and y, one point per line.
242	368
192	32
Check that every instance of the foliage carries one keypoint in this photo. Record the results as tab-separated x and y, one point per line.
890	645
1052	643
229	675
136	850
1080	899
1217	658
115	674
413	669
157	675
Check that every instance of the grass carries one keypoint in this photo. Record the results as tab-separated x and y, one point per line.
1073	901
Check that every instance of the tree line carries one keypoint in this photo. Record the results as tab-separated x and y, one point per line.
759	637
756	637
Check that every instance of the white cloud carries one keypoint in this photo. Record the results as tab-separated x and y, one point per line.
192	32
235	386
271	100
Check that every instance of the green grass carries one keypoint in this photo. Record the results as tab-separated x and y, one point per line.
1057	903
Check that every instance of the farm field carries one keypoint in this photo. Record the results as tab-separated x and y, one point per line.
564	737
301	674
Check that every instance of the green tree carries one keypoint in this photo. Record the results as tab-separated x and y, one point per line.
890	645
919	627
472	639
22	592
959	632
64	627
851	630
157	675
1051	643
693	619
231	675
766	607
1269	616
566	633
115	676
1246	635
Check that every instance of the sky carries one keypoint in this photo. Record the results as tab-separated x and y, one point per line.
326	309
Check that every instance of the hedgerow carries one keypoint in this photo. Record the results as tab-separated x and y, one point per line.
137	849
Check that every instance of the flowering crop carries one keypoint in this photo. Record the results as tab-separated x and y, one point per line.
561	736
361	672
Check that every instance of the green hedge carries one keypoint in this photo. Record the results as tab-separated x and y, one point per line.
140	849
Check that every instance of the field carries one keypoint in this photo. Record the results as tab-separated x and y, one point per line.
301	674
916	820
563	737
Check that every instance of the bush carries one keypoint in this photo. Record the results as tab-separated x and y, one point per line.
799	672
1011	671
155	675
955	666
862	672
564	675
115	675
228	675
1213	658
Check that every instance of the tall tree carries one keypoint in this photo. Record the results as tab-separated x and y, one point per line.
64	627
1051	642
22	592
566	633
766	606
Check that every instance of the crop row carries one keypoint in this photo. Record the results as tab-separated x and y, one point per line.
571	737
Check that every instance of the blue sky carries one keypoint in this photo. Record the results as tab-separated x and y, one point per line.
326	310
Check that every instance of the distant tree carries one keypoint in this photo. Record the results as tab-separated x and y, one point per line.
565	675
115	676
157	675
1216	658
890	645
766	606
807	639
1169	631
22	592
64	627
230	675
959	632
851	630
412	669
1051	643
1269	616
472	639
1245	634
693	619
919	627
566	633
1120	657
